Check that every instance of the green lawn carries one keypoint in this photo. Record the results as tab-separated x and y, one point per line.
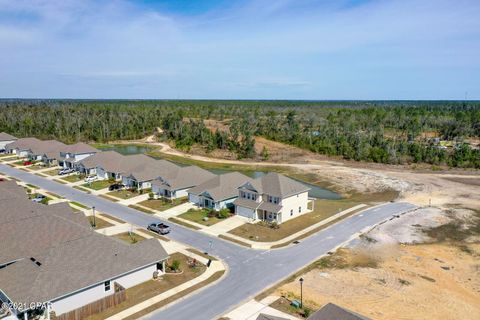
141	209
197	215
82	189
79	205
123	194
53	172
72	178
97	185
37	167
163	204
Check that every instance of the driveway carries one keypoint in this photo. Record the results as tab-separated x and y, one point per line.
249	271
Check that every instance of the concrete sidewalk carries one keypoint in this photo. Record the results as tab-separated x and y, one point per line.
251	309
175	211
226	225
214	267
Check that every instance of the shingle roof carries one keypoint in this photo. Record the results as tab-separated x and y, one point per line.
105	159
263	316
333	312
52	147
183	177
242	202
22	144
71	255
278	185
224	186
6	137
144	168
80	148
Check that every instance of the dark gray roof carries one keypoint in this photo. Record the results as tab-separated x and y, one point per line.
52	147
242	202
277	185
331	311
80	148
144	168
105	159
23	144
224	186
263	316
72	255
183	177
6	137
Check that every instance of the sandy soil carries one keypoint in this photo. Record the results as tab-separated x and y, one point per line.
418	282
423	281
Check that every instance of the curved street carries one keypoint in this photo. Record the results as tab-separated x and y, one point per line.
249	271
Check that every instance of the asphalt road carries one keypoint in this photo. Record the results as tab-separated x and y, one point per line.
249	271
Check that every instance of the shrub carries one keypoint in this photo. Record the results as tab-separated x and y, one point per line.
211	213
175	265
151	195
223	214
274	225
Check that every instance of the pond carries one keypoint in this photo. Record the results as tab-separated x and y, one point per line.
315	191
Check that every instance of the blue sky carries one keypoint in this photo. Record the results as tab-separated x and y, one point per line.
252	49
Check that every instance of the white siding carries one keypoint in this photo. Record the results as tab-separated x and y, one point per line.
294	203
98	292
193	198
101	174
79	157
181	193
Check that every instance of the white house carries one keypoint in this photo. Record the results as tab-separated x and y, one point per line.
5	139
272	197
176	183
219	192
72	154
144	170
61	263
21	147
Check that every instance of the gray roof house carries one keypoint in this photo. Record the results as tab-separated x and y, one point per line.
22	146
73	153
51	255
176	183
331	311
273	197
218	192
142	170
48	151
5	139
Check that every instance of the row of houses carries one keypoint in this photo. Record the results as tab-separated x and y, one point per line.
272	197
53	261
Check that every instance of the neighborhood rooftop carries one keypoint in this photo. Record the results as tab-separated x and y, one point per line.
57	254
6	137
278	185
223	186
183	177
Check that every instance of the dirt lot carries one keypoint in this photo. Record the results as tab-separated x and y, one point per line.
423	265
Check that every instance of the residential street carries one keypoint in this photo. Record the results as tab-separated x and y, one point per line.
249	271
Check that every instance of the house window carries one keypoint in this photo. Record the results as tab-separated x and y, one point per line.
254	197
291	212
248	196
107	285
270	199
299	209
275	200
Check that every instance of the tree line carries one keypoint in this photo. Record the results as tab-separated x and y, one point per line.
393	132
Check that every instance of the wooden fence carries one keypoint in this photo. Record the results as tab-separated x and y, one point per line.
94	307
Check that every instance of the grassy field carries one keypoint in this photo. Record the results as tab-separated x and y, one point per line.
97	185
53	172
72	178
162	204
141	209
197	215
79	205
180	222
152	288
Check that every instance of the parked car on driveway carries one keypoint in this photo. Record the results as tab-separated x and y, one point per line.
116	186
159	228
91	178
64	171
38	198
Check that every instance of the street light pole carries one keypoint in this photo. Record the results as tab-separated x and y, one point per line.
94	222
301	292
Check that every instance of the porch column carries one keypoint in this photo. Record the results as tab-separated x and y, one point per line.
163	266
48	311
25	315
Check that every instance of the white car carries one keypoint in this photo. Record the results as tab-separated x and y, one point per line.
91	178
